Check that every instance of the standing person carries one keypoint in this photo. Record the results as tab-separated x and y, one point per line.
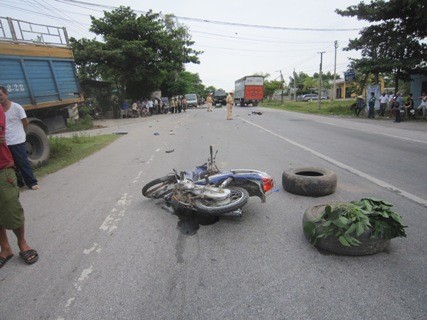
398	107
179	104
371	104
230	102
173	104
360	105
383	104
409	106
184	103
11	213
209	102
150	106
124	109
135	109
423	104
17	122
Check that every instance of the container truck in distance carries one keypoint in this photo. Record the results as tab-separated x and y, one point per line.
38	70
249	90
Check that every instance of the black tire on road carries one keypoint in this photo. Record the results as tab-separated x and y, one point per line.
37	145
331	244
239	197
309	181
159	187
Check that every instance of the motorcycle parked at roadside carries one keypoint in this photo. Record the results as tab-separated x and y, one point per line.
210	191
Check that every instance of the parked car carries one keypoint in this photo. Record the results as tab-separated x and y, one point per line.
191	100
311	96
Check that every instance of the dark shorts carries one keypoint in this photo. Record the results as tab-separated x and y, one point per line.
11	212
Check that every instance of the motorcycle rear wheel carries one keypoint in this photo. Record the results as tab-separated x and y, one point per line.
159	187
238	198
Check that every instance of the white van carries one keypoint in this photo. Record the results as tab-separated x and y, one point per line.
191	100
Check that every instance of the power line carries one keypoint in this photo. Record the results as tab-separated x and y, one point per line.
219	22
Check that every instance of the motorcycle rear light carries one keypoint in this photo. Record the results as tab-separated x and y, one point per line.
267	184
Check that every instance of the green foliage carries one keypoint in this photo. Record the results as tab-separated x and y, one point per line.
271	86
394	40
136	51
337	107
347	221
82	124
385	222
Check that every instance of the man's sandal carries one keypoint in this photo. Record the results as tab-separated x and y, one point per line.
30	256
4	260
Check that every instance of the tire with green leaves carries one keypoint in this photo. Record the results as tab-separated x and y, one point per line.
309	181
368	245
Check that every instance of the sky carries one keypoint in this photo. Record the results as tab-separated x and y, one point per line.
238	38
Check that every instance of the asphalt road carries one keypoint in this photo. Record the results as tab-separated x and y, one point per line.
108	253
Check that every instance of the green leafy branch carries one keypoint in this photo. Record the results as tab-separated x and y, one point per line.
347	221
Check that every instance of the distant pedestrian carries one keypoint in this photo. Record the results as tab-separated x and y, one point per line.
209	102
383	104
230	103
150	106
173	105
179	101
423	104
184	103
409	106
124	109
371	104
398	107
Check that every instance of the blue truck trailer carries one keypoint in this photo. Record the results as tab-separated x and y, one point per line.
38	70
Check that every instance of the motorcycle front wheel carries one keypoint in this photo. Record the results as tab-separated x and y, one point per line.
159	187
238	198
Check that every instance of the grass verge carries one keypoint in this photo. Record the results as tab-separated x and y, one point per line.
328	107
66	151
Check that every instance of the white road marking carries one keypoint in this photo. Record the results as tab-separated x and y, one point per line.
111	221
379	182
83	277
376	132
96	247
69	302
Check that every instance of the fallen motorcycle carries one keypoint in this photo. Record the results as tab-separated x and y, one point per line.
210	191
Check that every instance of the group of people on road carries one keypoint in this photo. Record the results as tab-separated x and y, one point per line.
177	104
15	171
393	103
229	103
149	107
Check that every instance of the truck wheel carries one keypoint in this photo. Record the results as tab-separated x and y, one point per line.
37	146
310	181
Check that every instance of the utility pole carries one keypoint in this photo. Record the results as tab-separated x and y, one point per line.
295	86
335	70
320	78
283	84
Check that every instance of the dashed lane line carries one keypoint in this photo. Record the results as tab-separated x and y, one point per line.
378	182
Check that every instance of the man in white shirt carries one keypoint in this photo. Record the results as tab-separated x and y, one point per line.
16	123
383	104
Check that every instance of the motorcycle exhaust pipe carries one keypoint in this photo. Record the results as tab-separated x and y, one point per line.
237	213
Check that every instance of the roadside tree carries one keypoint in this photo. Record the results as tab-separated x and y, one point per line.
137	53
394	41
